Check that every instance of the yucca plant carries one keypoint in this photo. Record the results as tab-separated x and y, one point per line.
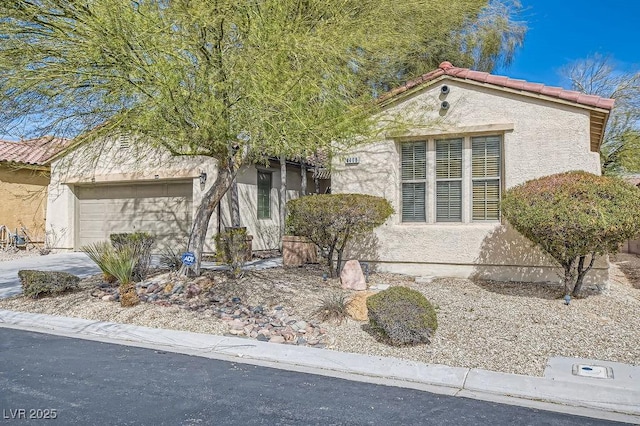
121	263
117	263
98	252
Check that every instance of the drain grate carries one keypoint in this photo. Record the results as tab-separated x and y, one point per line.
596	371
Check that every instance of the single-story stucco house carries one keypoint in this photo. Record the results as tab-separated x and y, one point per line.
116	185
24	178
468	136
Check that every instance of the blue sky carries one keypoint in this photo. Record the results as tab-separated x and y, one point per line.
561	31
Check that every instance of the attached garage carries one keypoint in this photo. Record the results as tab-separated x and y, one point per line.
163	209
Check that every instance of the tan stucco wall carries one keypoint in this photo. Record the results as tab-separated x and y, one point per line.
106	162
266	232
539	138
23	199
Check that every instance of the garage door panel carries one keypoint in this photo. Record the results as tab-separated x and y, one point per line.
162	209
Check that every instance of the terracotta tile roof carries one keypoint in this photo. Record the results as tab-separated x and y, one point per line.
446	69
33	151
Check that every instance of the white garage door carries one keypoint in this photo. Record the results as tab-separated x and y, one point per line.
162	209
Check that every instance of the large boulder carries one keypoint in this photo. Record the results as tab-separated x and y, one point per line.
352	277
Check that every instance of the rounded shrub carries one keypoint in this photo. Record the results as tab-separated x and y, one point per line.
574	217
403	316
330	221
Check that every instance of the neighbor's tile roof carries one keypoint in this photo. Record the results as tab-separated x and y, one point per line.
446	69
33	151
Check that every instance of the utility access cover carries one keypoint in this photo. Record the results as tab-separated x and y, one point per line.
596	371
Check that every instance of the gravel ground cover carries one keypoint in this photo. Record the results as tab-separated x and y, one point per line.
508	327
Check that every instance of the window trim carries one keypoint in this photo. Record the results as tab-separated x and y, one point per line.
467	180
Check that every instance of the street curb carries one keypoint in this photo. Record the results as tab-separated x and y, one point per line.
608	402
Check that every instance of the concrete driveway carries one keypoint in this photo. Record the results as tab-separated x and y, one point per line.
74	263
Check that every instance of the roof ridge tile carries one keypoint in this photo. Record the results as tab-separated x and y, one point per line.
446	68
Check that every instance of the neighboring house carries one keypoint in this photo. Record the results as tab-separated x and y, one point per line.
467	137
116	185
24	177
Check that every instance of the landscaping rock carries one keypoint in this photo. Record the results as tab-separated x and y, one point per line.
352	277
357	306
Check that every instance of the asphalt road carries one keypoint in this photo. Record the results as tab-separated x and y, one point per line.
91	383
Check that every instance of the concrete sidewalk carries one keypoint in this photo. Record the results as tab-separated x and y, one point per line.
615	399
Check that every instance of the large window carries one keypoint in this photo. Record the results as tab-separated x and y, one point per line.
264	195
485	171
451	180
414	178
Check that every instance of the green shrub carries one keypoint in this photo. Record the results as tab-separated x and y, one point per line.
140	244
330	221
333	307
403	316
37	283
574	216
119	263
232	248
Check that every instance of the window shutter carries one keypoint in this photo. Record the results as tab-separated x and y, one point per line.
449	159
414	160
486	159
413	202
449	201
485	156
449	180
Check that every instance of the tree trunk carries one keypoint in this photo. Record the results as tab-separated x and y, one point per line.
582	271
203	214
234	201
568	277
283	195
303	179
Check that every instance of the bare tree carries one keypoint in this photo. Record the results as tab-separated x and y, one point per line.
597	75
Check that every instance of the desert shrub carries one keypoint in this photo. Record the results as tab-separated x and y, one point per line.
140	244
37	283
330	221
232	248
171	258
573	217
119	264
98	252
333	307
402	316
